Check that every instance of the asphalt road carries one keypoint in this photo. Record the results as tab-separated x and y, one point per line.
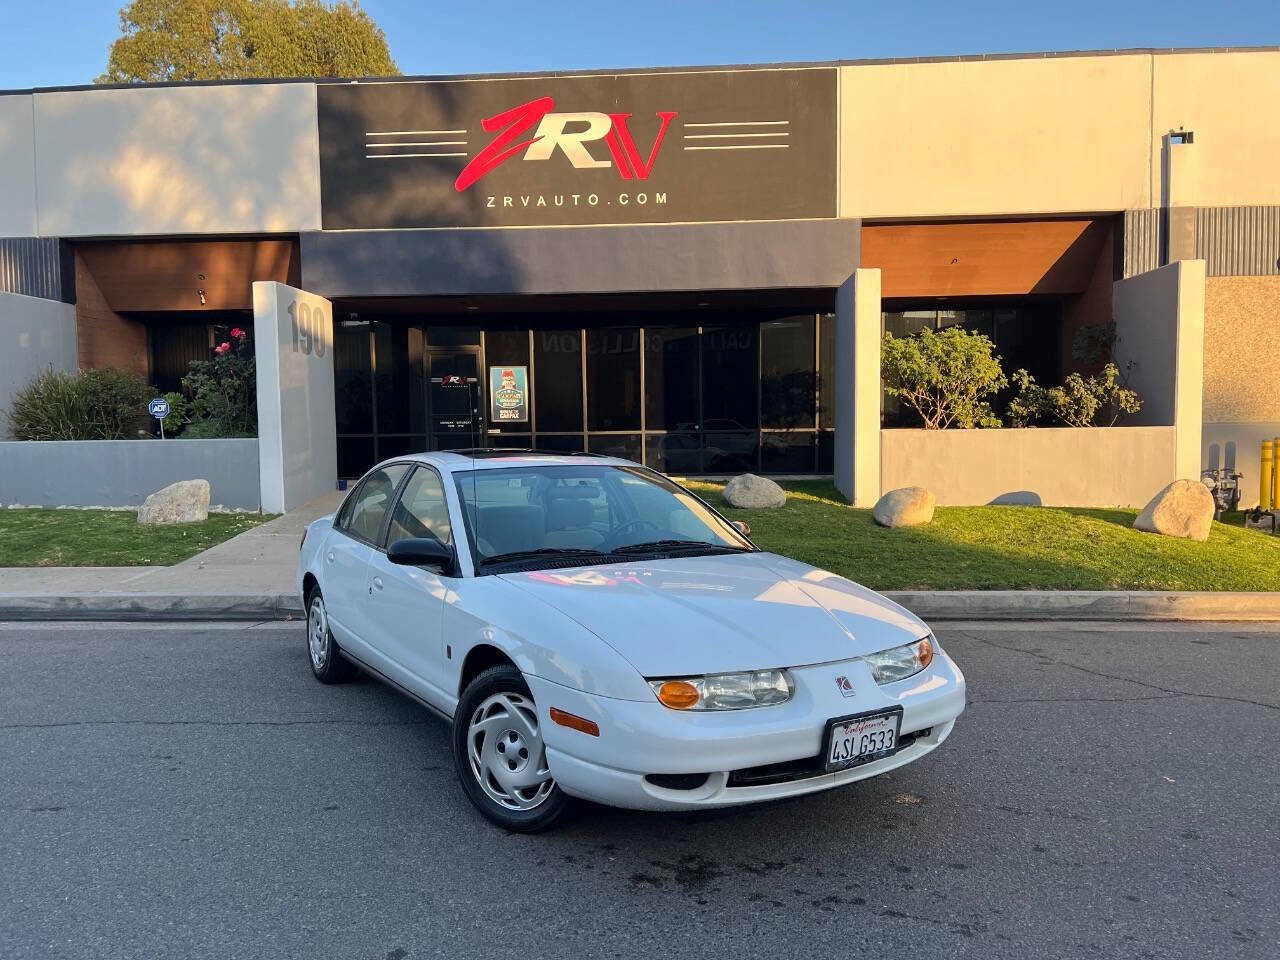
189	791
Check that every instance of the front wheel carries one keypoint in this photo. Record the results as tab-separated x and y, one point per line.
499	754
322	649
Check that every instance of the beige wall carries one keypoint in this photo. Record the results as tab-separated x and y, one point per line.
1063	466
17	168
1232	103
177	160
995	137
1242	349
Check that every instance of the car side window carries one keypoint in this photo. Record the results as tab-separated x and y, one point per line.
368	508
421	510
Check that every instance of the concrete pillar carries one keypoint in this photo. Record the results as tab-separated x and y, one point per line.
297	431
1160	331
857	388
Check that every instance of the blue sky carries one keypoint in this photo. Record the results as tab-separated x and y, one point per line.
56	42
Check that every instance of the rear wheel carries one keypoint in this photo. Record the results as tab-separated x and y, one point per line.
322	649
499	754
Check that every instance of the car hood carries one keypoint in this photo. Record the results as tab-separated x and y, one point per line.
685	616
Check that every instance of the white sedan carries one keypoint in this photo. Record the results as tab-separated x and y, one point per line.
594	630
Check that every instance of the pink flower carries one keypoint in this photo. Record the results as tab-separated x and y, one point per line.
237	333
221	348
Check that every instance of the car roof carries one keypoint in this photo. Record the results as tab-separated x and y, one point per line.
493	458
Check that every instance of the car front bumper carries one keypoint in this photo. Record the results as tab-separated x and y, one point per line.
641	739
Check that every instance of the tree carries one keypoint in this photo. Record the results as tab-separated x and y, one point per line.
181	40
946	377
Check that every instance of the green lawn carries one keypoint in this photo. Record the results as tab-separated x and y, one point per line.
108	538
1001	548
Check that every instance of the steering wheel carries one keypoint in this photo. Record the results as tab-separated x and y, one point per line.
637	524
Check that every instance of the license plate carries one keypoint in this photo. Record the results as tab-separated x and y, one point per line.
862	738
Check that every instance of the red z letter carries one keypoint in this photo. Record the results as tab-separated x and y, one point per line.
516	120
623	146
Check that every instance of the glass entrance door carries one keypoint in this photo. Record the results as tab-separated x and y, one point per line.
455	414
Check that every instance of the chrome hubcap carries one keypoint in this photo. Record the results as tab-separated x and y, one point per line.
318	633
504	746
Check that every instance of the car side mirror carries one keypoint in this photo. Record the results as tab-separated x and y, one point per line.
742	527
421	552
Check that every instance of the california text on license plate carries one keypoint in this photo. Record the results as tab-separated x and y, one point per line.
861	738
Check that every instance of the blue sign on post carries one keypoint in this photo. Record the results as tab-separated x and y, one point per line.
159	408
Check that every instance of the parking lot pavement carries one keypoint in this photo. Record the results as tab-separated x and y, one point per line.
189	791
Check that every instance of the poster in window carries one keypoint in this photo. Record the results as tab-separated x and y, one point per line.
508	394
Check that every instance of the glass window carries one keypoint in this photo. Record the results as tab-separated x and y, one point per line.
557	380
730	375
355	456
623	445
826	370
671	378
679	453
399	446
587	507
353	378
787	377
506	348
613	378
363	517
559	442
789	452
401	395
421	511
906	323
725	451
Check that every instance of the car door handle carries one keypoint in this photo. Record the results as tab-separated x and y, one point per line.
377	583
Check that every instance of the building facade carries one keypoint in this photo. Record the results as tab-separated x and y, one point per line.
651	263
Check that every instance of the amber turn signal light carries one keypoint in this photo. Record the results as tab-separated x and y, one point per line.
575	722
678	694
924	650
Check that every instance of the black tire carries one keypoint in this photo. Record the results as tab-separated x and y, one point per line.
327	665
499	687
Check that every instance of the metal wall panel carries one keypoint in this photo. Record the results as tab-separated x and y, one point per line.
1239	241
1142	241
37	267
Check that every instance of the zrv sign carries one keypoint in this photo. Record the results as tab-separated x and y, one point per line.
615	149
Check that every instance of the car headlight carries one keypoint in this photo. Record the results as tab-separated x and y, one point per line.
899	663
725	691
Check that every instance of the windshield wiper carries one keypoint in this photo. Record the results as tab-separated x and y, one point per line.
667	546
515	556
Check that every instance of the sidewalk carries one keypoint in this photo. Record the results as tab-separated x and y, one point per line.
250	577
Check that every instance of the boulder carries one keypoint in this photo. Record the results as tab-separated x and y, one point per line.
1182	509
186	501
904	507
1017	498
749	492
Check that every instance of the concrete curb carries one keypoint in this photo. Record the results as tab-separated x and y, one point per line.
1087	605
1151	605
151	606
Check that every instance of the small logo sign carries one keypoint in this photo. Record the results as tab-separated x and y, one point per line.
508	394
158	408
846	688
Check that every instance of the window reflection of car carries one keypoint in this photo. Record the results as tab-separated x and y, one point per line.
594	630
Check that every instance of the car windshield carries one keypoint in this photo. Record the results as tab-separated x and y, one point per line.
546	514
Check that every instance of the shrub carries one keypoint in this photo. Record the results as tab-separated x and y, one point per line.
104	404
179	414
1080	402
223	391
946	377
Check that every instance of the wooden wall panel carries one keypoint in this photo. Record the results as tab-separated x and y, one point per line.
985	258
103	337
142	276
